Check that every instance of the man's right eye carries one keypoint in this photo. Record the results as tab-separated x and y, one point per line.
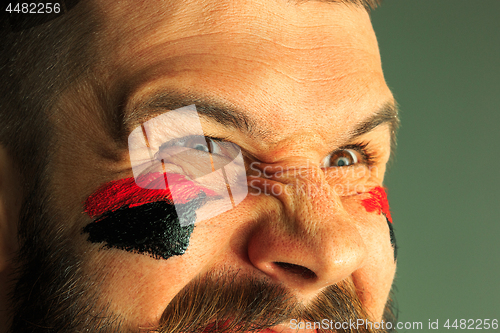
203	144
196	149
193	142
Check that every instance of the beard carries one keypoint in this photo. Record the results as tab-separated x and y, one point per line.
53	294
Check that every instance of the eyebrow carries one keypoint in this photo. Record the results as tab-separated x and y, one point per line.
231	116
218	110
387	114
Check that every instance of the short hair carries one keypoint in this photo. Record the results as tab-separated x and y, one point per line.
367	4
38	60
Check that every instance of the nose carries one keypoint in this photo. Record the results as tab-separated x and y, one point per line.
307	240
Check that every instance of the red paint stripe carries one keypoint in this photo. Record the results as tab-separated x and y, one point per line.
378	202
127	193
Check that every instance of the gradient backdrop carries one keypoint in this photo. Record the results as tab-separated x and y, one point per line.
441	58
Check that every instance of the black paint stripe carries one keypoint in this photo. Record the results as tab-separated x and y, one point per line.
153	228
393	238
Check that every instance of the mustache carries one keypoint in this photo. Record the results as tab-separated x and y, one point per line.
227	302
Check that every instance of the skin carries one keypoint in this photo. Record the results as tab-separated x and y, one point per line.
307	73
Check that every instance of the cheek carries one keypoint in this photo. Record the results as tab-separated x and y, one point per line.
374	278
138	286
377	202
371	216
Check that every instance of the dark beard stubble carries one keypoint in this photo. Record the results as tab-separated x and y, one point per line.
52	293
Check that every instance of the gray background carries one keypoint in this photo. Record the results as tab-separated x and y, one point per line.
441	58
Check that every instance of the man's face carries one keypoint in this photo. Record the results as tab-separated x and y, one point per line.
306	76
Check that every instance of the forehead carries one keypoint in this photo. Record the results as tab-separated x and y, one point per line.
308	26
274	58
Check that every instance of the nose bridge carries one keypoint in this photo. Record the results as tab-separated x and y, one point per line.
313	232
308	198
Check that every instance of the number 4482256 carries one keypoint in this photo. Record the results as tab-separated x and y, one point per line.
34	8
471	324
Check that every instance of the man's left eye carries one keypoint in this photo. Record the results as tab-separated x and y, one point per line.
341	158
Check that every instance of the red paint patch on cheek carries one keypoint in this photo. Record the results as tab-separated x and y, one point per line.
126	193
377	202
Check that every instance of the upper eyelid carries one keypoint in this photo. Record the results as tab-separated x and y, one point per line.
368	156
355	146
185	138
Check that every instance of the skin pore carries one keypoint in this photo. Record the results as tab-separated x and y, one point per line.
306	74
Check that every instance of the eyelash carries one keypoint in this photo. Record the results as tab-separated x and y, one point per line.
368	157
188	137
367	154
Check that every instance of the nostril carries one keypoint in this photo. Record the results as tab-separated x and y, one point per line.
304	272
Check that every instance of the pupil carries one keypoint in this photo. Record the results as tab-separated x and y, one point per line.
200	147
341	162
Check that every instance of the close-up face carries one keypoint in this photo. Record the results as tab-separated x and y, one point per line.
219	166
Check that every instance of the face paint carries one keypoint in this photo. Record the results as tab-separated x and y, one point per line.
130	193
377	202
393	239
132	218
152	228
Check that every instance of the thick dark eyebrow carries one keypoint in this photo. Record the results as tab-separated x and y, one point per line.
222	112
387	114
229	115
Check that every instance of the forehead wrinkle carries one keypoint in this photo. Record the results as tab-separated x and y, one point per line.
306	70
190	20
217	43
302	45
287	72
